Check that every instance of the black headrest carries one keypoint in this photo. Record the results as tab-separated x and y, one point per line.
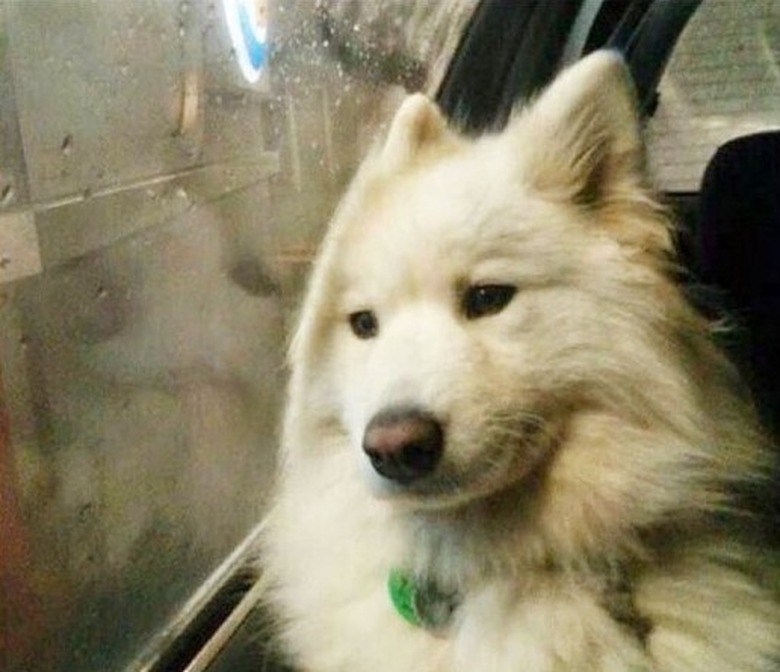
739	250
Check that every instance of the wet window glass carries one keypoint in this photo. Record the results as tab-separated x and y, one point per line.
162	189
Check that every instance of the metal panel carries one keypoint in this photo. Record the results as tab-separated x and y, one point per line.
13	179
143	383
141	323
19	250
115	74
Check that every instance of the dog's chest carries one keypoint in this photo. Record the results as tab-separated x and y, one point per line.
490	629
335	564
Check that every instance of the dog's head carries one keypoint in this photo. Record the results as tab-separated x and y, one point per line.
475	296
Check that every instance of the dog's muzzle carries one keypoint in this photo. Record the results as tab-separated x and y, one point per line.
404	444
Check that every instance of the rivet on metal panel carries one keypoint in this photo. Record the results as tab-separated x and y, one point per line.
20	254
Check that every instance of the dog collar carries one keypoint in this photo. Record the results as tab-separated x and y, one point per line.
421	603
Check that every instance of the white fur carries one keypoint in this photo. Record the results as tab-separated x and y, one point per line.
592	430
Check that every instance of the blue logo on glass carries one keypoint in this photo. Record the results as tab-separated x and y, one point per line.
247	24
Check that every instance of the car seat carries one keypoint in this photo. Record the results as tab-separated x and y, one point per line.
738	250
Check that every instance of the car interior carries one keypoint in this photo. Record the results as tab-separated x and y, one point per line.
123	370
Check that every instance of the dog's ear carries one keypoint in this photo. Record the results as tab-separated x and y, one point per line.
418	126
583	131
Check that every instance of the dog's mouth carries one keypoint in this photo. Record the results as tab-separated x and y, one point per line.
445	470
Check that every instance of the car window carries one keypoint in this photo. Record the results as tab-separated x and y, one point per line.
723	81
164	181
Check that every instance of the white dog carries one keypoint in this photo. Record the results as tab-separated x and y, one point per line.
510	445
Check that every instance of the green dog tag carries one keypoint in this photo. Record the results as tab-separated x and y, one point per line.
402	590
421	604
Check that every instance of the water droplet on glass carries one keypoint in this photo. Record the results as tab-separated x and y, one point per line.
7	194
67	145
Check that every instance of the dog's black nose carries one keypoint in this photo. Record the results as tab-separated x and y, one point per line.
404	444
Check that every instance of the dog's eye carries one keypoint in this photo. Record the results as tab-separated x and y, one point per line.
364	324
483	300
